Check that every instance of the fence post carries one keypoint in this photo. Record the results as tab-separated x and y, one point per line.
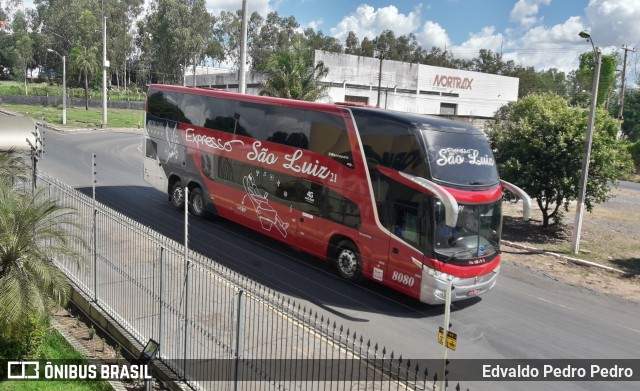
238	334
186	276
95	228
161	256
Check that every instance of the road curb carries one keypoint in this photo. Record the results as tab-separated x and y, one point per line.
576	261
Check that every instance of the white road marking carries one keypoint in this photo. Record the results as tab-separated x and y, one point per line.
629	328
551	302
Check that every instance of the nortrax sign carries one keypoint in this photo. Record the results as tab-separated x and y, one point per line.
453	82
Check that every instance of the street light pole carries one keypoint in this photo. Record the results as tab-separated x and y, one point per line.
243	50
64	85
105	65
582	187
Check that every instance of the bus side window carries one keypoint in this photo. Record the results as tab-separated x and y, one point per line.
284	126
164	104
191	107
151	150
250	118
391	144
328	136
218	115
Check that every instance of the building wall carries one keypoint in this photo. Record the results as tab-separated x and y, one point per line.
406	87
417	88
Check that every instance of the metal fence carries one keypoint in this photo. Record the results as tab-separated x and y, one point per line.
216	328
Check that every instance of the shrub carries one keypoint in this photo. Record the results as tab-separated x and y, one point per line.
23	344
634	151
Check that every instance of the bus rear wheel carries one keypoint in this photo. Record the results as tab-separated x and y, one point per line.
177	195
348	261
196	202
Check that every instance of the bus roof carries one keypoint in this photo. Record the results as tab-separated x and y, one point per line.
299	104
409	119
370	111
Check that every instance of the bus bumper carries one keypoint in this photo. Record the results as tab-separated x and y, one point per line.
434	286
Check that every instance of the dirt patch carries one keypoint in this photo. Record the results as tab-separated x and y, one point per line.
610	236
98	344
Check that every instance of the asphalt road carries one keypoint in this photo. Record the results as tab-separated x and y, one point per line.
526	316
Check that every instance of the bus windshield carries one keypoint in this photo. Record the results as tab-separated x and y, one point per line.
476	234
460	156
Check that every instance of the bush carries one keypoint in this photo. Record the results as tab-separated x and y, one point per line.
634	151
23	344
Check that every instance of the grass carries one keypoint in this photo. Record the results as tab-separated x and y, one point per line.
55	347
53	89
78	117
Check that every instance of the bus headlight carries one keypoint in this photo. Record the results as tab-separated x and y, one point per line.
439	275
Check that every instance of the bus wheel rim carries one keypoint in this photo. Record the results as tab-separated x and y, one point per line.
177	195
197	204
347	262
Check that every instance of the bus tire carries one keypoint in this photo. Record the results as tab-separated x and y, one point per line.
348	261
177	195
197	202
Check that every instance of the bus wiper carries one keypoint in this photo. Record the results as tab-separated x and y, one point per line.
496	245
450	257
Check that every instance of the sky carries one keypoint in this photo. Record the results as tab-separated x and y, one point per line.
538	33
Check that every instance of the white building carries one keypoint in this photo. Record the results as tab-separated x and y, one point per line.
412	88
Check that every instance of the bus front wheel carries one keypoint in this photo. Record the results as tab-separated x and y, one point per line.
348	261
177	195
196	202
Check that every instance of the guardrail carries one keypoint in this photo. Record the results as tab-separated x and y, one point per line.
216	328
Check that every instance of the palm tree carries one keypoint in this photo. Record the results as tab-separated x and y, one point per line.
12	167
291	74
33	230
85	60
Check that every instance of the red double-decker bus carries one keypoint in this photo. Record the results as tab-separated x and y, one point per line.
409	201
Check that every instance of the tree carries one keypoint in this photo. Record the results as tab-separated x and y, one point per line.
316	40
539	144
584	77
84	55
438	57
33	231
164	35
277	33
121	15
489	62
85	61
291	74
352	44
631	114
22	48
200	33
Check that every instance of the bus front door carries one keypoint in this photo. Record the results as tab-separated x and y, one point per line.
405	260
153	173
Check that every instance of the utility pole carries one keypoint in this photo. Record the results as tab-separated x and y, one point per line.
380	77
624	72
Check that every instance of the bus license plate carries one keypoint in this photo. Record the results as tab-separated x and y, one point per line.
473	292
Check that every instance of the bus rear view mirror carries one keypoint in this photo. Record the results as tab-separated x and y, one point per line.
518	192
